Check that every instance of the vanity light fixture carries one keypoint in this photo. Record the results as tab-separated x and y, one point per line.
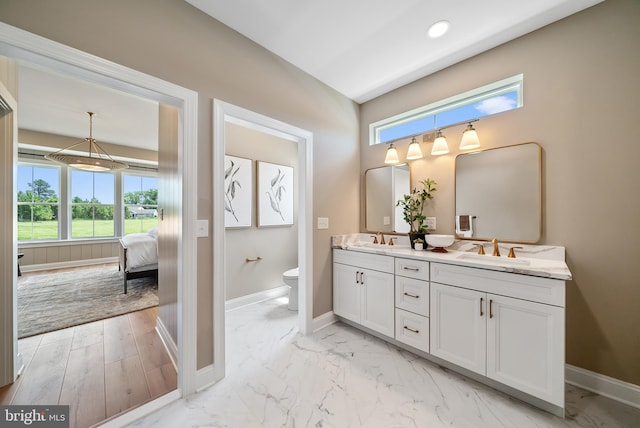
414	151
392	155
440	146
469	141
470	138
96	160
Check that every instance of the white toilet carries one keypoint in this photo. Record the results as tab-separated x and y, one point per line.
290	278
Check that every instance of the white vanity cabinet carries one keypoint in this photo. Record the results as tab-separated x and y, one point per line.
505	326
412	303
363	289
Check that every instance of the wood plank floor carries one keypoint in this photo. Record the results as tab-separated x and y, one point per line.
99	369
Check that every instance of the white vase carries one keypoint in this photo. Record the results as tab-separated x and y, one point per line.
418	246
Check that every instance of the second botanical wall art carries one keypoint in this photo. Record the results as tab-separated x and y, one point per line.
238	183
275	194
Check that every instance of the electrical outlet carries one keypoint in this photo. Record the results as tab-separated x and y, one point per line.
431	223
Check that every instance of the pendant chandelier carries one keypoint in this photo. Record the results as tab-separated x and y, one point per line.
96	160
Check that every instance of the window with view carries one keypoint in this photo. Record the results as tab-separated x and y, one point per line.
487	100
38	202
92	204
140	195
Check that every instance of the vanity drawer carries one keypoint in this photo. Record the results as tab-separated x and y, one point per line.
533	288
412	330
417	269
412	295
364	260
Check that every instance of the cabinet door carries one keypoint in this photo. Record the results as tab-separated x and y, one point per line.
458	326
525	347
378	310
346	291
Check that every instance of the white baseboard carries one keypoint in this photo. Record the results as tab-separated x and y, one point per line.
71	263
624	392
323	321
256	297
168	342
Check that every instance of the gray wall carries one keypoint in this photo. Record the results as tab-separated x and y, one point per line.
278	246
173	41
580	103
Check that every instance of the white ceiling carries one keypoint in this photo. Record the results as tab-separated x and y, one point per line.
361	48
365	48
58	104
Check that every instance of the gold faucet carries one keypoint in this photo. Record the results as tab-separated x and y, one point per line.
496	250
391	241
480	248
512	254
375	238
382	238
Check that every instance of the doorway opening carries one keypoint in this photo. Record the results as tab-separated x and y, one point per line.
225	113
20	45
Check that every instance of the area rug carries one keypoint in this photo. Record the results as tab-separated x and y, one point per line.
52	301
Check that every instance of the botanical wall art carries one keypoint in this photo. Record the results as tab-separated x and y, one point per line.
238	180
275	194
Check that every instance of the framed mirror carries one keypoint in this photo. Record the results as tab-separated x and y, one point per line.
383	187
499	194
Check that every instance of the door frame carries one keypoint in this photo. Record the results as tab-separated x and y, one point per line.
225	112
10	364
22	45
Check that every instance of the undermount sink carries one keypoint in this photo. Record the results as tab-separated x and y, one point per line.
500	261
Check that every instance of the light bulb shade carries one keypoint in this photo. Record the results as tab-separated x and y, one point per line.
440	146
392	155
470	139
414	151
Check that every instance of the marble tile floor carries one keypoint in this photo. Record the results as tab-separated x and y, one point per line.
342	377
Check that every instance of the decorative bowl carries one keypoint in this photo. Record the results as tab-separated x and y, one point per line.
439	242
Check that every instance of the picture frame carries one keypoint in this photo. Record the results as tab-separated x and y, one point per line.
275	194
238	192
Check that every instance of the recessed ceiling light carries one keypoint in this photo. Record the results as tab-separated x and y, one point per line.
438	29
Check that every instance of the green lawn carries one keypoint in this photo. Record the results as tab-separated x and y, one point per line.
82	228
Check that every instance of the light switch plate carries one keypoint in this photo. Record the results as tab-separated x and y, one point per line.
323	222
202	228
431	223
386	220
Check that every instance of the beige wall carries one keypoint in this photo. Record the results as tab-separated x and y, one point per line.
580	103
278	246
176	42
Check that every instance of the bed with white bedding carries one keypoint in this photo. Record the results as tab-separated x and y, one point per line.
139	255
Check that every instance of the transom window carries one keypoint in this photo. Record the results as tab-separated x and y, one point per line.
487	100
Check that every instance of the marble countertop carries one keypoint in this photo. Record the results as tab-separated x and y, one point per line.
533	260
